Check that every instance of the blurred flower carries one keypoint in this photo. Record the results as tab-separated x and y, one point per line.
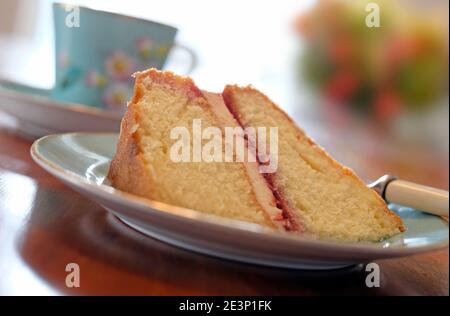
387	106
402	48
119	66
342	86
144	46
341	49
116	97
95	79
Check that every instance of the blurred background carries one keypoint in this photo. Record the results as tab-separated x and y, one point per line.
372	96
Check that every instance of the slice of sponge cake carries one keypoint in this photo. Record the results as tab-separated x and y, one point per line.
328	199
309	193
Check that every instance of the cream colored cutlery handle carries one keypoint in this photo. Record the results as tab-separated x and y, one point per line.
418	196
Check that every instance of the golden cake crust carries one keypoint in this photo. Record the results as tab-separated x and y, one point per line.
126	171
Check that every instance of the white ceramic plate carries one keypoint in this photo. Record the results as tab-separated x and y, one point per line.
38	115
81	160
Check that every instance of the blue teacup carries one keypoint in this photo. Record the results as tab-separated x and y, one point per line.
96	52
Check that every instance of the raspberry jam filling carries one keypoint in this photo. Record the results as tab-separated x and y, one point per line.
291	221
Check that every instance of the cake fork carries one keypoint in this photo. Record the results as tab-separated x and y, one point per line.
417	196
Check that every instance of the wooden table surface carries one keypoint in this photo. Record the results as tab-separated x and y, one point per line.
44	226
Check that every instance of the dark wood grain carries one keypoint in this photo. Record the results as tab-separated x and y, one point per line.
44	226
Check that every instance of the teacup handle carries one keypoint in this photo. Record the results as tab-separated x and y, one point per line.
192	55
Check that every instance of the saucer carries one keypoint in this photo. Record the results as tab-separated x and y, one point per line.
38	115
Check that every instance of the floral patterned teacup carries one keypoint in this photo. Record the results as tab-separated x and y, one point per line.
97	52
